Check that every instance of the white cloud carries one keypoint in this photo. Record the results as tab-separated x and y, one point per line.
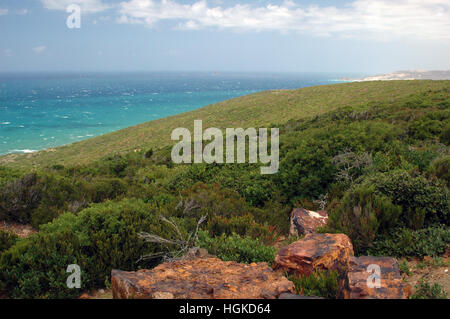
22	12
382	19
87	6
7	52
17	12
39	49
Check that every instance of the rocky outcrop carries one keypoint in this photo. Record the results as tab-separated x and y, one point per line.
289	296
363	284
306	221
328	252
315	251
201	278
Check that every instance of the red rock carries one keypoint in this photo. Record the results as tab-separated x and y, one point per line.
328	252
201	278
293	296
315	251
391	285
306	221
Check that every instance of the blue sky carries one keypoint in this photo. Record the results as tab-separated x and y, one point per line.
363	36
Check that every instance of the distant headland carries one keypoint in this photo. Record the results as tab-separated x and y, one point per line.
405	75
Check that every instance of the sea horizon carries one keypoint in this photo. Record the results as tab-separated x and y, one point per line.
41	110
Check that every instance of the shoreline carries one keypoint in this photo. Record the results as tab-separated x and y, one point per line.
405	76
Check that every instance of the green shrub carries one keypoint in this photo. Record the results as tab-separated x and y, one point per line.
404	267
245	179
236	248
413	193
440	168
38	198
399	242
445	135
425	290
98	239
421	158
43	215
158	174
242	226
320	283
425	129
19	197
417	101
115	165
392	157
7	175
7	240
362	215
275	214
415	219
305	170
107	189
36	267
210	201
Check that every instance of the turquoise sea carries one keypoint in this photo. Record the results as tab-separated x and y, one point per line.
39	111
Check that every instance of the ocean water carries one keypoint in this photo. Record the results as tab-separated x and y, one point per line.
39	111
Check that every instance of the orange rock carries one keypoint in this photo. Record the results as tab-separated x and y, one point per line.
315	251
201	278
362	282
328	252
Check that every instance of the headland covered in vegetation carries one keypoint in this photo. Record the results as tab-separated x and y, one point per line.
373	155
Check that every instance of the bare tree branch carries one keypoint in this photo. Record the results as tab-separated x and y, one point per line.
182	246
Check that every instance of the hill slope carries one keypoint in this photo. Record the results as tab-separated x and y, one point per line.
379	166
257	110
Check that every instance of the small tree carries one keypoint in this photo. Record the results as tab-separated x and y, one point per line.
322	201
350	165
362	215
173	249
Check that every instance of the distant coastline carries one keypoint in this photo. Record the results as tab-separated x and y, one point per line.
404	75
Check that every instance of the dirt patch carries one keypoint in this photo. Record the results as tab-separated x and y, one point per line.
11	158
20	230
431	270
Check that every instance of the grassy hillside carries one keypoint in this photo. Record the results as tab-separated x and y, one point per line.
257	110
375	156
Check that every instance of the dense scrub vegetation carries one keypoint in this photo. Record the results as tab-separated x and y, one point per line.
318	284
425	290
381	166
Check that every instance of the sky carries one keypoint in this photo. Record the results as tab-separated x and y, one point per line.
360	36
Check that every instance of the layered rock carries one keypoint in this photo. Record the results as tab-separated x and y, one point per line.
363	283
327	252
315	251
201	278
306	221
